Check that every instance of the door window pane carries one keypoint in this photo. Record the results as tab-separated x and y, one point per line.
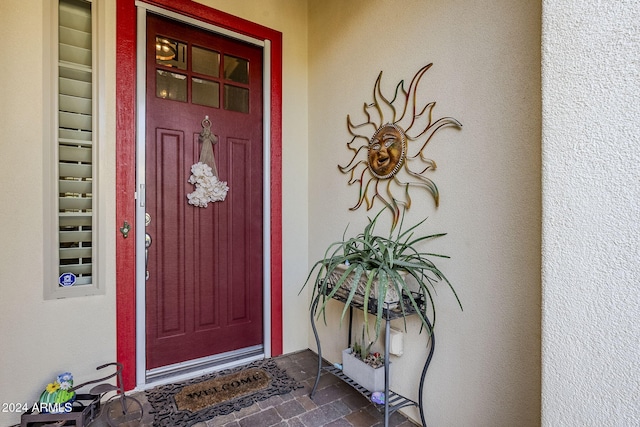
236	69
171	86
171	53
236	98
205	92
205	61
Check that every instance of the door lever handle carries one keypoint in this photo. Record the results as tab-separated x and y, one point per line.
147	243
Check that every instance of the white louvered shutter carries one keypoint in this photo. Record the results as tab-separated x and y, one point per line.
75	140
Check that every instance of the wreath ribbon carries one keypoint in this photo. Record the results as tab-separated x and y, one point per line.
208	139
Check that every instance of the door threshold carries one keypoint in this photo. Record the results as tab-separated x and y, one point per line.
205	365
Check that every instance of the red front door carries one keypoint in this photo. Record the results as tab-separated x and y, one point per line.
205	281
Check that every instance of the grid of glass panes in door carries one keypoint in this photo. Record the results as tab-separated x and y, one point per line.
209	71
75	140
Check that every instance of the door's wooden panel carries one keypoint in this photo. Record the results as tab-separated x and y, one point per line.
210	261
169	277
204	294
240	271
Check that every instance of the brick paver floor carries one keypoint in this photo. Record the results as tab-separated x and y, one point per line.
335	403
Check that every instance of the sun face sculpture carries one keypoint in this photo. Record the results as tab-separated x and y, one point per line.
388	149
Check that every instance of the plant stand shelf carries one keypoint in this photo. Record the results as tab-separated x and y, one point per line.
392	401
396	401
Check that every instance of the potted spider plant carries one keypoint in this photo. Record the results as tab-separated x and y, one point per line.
380	273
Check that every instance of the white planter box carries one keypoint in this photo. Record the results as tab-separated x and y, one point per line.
368	377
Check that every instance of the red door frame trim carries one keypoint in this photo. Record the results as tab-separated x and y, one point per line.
126	164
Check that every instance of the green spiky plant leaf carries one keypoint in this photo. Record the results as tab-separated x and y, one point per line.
386	262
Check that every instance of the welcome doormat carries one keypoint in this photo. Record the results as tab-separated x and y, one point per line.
189	402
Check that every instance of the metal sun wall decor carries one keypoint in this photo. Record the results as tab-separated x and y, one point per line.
394	138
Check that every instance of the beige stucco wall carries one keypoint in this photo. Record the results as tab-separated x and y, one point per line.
41	339
486	74
591	269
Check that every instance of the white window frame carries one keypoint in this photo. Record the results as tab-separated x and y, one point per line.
52	289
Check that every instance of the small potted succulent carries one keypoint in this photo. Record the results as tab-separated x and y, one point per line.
364	366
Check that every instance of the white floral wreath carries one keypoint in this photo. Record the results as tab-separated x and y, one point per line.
208	187
204	174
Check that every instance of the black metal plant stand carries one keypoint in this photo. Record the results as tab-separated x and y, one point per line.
392	401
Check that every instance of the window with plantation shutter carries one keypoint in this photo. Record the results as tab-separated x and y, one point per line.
74	161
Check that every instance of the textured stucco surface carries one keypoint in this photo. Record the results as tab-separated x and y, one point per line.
486	74
591	206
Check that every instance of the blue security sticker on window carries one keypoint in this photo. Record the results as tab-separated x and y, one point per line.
67	279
